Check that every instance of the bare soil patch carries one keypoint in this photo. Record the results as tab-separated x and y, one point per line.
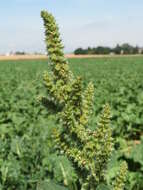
33	57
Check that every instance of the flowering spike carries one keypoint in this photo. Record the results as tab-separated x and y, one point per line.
89	151
87	104
121	177
55	47
103	135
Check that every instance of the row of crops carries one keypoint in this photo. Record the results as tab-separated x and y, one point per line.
27	159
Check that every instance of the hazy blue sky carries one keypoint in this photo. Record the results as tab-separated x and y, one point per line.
82	23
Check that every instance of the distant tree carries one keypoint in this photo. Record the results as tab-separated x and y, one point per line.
127	49
20	53
117	49
136	50
103	50
90	50
80	51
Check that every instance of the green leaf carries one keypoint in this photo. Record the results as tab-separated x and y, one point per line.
137	153
50	185
103	187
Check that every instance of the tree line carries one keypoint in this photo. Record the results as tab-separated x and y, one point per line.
118	49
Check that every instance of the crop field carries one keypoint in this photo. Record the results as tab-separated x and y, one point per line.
26	126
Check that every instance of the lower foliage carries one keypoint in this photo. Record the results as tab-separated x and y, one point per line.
20	114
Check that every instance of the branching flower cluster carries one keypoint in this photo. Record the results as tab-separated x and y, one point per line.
89	151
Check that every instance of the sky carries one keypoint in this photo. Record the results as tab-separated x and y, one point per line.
82	23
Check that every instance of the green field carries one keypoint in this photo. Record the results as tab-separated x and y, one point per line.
25	125
117	81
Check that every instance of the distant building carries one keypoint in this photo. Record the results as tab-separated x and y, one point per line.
122	52
140	51
7	54
112	53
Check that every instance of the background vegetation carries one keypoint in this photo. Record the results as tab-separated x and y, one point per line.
119	49
26	162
